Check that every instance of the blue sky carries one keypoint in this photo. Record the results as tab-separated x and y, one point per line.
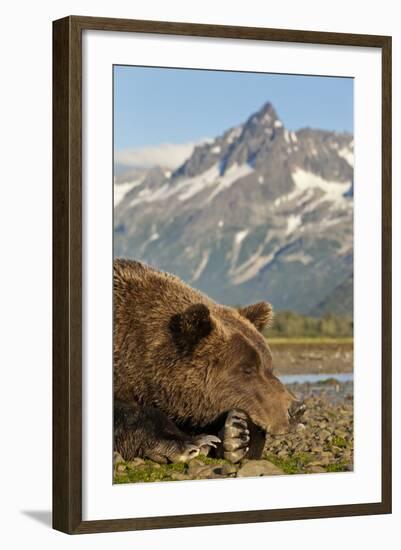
158	105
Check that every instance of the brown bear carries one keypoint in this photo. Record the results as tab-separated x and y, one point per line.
190	375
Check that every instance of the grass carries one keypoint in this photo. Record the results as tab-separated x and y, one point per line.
318	340
150	471
337	467
208	460
294	464
339	442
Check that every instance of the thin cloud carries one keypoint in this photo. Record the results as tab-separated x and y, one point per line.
167	155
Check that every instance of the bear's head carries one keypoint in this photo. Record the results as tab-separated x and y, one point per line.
228	363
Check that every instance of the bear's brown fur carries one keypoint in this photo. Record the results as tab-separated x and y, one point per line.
183	361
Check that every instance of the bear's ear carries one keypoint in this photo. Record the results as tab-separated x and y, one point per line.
190	326
260	314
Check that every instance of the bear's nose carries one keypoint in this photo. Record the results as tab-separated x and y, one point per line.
296	409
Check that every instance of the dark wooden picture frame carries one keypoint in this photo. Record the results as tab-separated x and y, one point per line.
67	274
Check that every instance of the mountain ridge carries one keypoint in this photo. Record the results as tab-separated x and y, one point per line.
259	212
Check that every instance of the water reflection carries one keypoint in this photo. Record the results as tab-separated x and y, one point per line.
316	378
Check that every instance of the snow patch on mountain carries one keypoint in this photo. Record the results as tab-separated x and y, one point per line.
150	195
333	190
234	173
298	257
248	270
203	263
234	134
296	193
121	189
154	236
293	222
187	187
192	186
347	154
238	238
256	261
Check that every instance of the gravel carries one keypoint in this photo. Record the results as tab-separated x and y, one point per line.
322	443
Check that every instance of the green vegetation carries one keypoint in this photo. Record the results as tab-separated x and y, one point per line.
337	467
150	471
339	442
288	324
298	462
212	461
294	464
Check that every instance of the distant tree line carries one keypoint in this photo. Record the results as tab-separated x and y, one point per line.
290	324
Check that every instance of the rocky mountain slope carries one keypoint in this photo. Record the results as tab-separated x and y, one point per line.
260	212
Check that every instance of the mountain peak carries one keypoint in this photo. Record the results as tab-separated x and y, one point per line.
268	109
266	116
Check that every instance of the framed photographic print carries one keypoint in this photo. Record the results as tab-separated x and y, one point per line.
221	274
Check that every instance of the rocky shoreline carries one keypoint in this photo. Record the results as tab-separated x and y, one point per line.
322	443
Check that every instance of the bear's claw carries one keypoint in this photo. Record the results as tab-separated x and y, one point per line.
236	436
206	443
189	452
211	440
200	444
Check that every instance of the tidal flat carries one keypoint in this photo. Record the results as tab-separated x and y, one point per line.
312	356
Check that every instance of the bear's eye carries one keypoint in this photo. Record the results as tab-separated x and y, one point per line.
248	369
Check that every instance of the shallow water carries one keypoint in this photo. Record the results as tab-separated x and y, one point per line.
315	378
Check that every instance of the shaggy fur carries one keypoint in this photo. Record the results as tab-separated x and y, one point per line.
182	362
